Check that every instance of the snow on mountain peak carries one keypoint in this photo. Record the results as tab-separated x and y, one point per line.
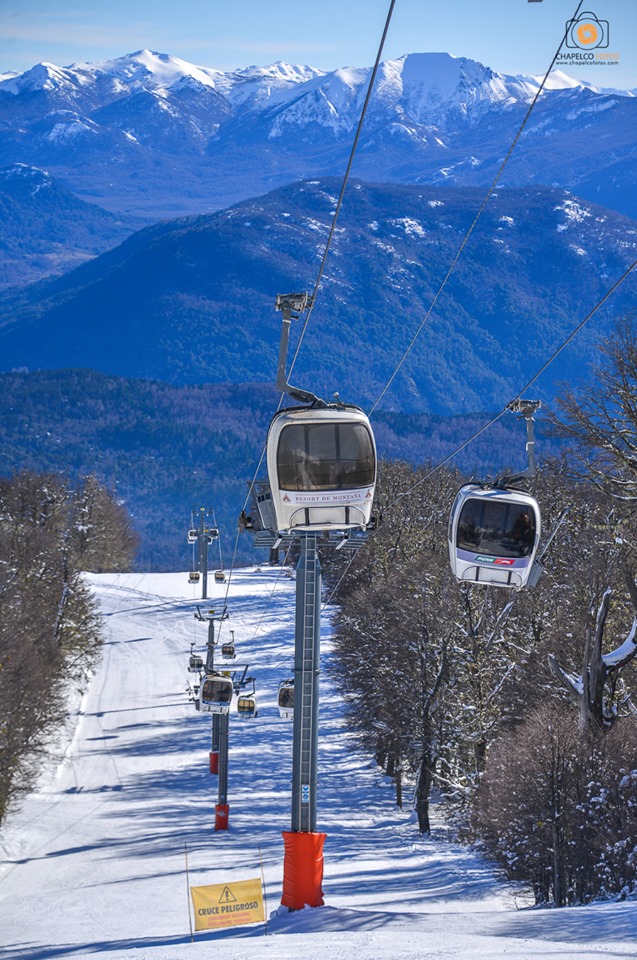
160	69
254	85
24	171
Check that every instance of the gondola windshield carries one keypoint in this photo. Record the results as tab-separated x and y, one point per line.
325	456
496	529
286	696
217	690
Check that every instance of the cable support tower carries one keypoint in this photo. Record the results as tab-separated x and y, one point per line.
476	218
312	299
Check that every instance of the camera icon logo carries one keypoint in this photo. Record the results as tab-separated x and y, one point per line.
587	32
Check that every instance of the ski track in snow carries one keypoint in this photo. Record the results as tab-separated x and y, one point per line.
93	862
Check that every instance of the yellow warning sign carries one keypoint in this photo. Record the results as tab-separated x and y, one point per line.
228	904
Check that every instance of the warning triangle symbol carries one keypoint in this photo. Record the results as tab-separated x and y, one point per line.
227	896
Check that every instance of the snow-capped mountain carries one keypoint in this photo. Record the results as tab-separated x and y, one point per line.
155	135
98	83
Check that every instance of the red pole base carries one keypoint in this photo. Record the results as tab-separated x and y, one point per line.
222	814
214	761
302	870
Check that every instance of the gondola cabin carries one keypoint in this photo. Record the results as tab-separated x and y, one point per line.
322	469
195	664
193	576
493	536
192	535
285	699
220	576
215	694
227	651
247	705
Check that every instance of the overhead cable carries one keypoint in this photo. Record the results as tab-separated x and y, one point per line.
477	216
526	386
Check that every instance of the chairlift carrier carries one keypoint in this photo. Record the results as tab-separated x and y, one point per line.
494	529
195	663
493	535
215	693
247	702
285	699
321	457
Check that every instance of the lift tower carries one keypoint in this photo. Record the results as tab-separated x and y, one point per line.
321	461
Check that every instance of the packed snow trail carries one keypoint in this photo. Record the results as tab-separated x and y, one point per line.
93	862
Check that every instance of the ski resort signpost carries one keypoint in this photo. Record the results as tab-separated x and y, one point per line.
228	904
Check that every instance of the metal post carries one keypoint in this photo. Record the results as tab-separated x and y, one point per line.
214	739
303	862
223	757
203	556
306	685
210	666
210	657
222	809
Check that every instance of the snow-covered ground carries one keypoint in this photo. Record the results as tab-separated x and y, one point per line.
93	862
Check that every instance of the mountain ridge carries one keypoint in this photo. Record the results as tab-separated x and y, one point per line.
191	301
153	134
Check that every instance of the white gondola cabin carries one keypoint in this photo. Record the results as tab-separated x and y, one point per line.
247	705
192	535
193	576
215	693
322	469
285	699
195	664
220	576
493	536
227	651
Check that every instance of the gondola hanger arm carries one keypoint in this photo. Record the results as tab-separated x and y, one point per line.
291	306
525	409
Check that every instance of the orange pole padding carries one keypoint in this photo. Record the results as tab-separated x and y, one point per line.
222	814
302	870
214	761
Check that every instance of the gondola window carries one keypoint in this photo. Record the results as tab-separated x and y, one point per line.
325	456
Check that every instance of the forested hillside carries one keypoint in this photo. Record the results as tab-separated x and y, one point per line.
192	301
167	449
50	533
518	707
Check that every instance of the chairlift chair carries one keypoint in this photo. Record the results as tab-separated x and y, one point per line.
215	693
285	699
494	532
193	576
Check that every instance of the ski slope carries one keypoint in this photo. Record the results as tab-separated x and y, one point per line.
93	863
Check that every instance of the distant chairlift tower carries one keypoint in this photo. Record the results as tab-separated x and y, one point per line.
201	535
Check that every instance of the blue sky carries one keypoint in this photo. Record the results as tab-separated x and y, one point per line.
512	36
